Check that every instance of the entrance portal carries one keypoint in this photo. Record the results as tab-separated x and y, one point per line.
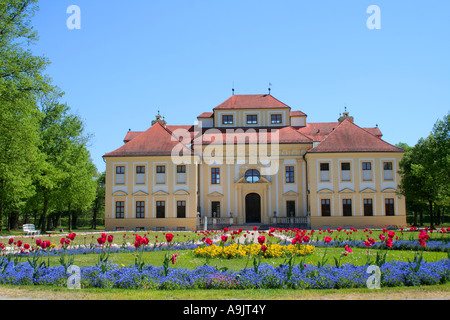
253	208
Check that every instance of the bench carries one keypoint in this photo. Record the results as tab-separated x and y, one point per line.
30	229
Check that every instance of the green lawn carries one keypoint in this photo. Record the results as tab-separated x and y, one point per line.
441	292
187	259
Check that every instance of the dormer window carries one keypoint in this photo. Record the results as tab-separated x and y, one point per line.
276	118
252	119
227	119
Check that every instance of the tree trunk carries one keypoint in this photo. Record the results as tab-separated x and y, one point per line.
43	221
421	218
94	217
69	213
430	206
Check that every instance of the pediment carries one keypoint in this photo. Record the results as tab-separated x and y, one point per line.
290	193
160	193
368	190
325	191
346	190
181	192
215	194
140	193
120	193
261	180
389	190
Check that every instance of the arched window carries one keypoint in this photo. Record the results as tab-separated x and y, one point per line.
252	176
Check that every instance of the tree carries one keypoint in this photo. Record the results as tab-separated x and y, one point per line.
425	169
21	80
78	187
65	179
98	205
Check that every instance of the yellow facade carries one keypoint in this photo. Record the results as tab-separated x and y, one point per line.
247	183
357	189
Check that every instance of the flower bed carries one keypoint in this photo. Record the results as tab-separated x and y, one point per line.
234	250
208	277
396	245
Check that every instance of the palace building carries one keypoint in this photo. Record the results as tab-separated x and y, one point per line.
253	161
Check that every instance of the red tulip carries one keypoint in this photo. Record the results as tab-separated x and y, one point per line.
263	248
224	238
71	236
174	258
261	239
169	237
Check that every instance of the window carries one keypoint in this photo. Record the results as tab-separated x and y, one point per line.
120	170
140	209
290	208
252	119
140	169
215	176
140	175
387	170
227	119
276	118
290	178
120	175
326	208
345	171
160	174
324	172
160	209
215	209
389	207
347	207
160	169
181	209
367	171
181	174
368	207
252	176
120	210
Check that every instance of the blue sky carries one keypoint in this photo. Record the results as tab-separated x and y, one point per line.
133	58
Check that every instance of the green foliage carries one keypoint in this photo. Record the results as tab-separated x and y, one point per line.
425	169
44	162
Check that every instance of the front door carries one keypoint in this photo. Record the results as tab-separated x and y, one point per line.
253	208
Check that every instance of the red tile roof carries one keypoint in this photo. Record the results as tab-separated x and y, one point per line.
319	131
297	114
206	115
286	135
131	135
348	137
255	101
156	141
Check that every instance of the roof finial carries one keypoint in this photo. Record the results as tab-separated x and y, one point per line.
270	88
